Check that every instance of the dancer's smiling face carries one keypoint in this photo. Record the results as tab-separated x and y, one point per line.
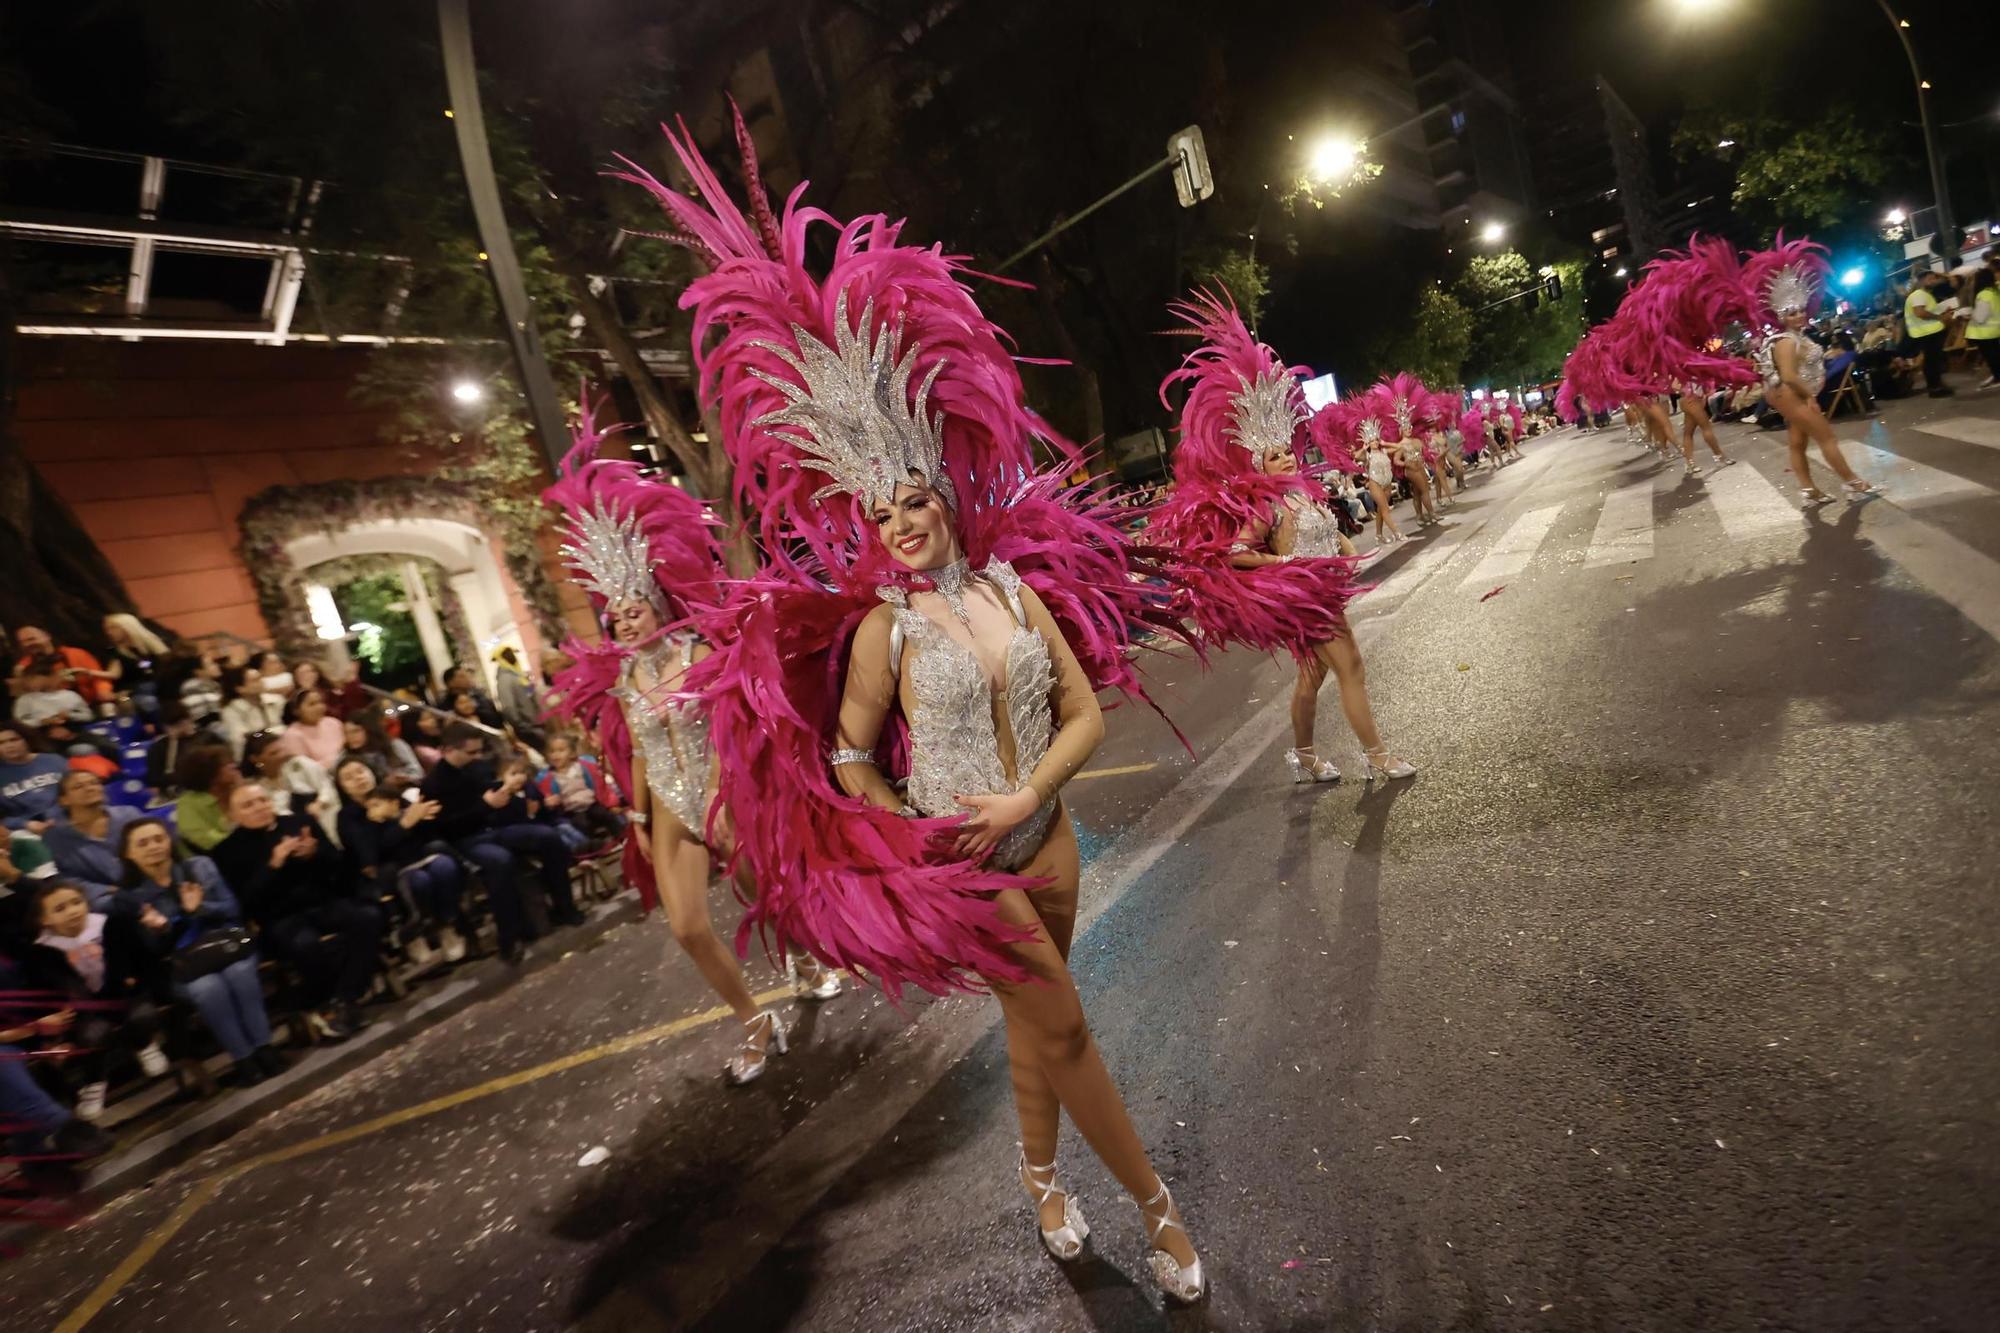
1795	320
915	528
1278	460
634	621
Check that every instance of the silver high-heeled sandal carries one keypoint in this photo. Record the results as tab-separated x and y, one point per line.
750	1061
1180	1284
822	983
1309	767
1066	1241
1381	764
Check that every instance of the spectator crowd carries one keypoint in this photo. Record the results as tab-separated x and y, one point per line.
206	856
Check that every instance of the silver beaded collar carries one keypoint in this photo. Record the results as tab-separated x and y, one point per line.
948	582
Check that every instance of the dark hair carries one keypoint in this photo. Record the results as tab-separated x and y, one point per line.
370	722
266	656
133	876
461	733
62	784
44	664
507	655
232	679
382	794
201	766
1982	280
48	889
173	712
451	702
257	742
299	697
27	734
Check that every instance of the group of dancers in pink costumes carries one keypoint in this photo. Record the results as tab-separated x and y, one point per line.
872	733
1669	335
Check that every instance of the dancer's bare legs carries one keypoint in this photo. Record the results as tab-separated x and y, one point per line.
1384	520
1420	493
1694	416
680	869
1804	423
1052	1056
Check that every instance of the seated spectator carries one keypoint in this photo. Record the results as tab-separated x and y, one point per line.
208	775
574	787
469	794
344	693
306	675
296	784
427	733
193	676
33	1124
526	806
460	680
394	763
289	880
25	863
163	756
28	781
310	730
85	836
391	847
100	965
192	922
137	654
276	678
243	711
80	670
45	695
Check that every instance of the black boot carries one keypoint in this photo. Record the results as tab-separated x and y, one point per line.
269	1061
246	1074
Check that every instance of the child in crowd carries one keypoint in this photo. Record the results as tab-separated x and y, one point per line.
57	713
201	689
525	804
99	965
390	850
575	788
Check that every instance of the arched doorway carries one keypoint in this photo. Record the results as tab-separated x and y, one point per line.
418	526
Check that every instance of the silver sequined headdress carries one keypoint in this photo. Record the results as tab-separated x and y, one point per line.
1266	414
608	554
1790	290
852	409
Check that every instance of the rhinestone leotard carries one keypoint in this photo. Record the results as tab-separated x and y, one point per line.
671	735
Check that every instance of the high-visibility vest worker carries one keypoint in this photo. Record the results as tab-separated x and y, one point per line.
1925	324
1985	324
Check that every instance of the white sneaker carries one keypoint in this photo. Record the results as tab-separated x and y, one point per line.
90	1103
153	1061
454	944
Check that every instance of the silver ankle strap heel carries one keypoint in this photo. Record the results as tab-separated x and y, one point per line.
1309	767
1066	1241
750	1061
1181	1284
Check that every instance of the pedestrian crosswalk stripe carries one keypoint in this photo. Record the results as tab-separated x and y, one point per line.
1747	503
1516	547
1967	430
1625	528
1911	484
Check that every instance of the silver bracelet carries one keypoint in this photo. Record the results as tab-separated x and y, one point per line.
839	757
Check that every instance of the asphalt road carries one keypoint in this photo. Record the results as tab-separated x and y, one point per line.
1663	999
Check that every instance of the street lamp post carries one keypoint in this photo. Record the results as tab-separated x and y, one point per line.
1947	232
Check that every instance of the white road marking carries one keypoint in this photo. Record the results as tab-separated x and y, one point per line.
1911	484
1944	565
1967	430
1747	503
1516	547
1624	528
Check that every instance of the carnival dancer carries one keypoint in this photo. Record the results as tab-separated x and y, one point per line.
1405	399
1378	465
899	699
1781	288
644	552
1254	542
1694	417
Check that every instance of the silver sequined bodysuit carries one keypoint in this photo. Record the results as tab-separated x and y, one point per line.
954	747
1315	531
672	736
1812	361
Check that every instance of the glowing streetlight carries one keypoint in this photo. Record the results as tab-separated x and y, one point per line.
467	392
1493	233
1333	158
1725	143
1621	272
1897	217
1852	278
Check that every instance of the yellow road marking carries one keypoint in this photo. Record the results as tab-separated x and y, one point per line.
209	1186
1113	772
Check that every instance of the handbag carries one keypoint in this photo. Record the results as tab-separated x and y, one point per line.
211	951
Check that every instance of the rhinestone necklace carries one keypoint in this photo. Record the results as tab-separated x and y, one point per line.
949	583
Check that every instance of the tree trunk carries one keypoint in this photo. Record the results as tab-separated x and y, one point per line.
56	576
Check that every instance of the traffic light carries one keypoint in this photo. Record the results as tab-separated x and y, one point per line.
1554	287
